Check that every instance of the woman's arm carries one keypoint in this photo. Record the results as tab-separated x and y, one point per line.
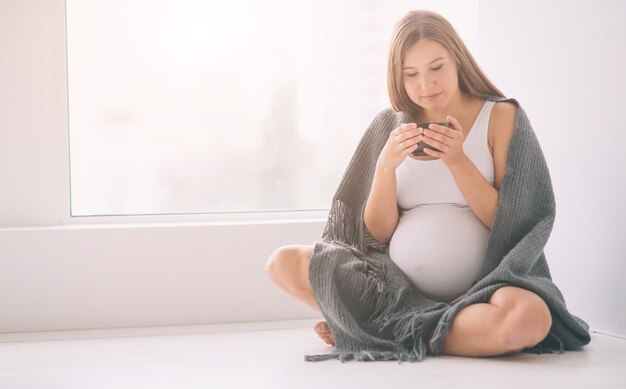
381	210
480	195
501	127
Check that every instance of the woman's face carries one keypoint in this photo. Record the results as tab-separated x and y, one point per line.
429	75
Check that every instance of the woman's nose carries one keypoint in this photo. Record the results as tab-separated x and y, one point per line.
426	82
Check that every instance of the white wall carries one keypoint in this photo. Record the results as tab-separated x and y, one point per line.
115	276
33	111
57	273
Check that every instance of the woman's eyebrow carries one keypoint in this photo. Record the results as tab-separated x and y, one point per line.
411	67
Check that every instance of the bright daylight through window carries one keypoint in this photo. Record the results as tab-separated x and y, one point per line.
221	106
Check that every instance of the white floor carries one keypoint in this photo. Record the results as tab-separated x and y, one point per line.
271	355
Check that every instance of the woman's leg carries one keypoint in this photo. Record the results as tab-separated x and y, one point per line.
288	268
514	319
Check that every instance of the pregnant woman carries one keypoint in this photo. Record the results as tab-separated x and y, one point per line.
405	260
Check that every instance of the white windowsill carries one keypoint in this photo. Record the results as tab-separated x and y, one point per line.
161	223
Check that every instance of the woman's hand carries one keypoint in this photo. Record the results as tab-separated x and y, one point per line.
402	141
448	140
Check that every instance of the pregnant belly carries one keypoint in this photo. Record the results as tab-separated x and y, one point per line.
441	248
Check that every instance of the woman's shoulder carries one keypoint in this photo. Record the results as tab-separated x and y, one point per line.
502	99
505	111
502	122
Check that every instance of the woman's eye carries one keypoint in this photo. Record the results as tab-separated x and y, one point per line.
411	74
437	68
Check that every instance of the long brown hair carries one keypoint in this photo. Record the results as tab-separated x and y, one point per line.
418	25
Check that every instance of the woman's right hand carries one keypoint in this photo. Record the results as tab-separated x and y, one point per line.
402	142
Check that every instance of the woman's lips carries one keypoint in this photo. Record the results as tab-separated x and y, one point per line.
432	97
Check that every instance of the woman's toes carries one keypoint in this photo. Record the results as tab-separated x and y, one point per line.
323	331
322	326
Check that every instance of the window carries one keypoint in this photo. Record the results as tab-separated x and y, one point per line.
222	106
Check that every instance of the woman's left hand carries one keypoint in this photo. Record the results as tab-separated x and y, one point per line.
448	140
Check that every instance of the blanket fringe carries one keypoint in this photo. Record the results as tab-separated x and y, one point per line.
439	335
561	345
390	308
545	346
411	328
342	228
365	356
393	308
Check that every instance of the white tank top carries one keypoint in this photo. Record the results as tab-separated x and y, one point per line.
439	242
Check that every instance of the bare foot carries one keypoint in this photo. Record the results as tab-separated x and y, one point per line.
323	331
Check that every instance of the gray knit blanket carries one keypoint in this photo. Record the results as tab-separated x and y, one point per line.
372	308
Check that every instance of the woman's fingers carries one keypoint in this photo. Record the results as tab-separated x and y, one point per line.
401	142
448	141
438	140
444	134
407	131
439	132
454	123
406	137
431	141
433	153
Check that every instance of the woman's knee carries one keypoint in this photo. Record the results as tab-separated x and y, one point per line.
528	319
289	265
